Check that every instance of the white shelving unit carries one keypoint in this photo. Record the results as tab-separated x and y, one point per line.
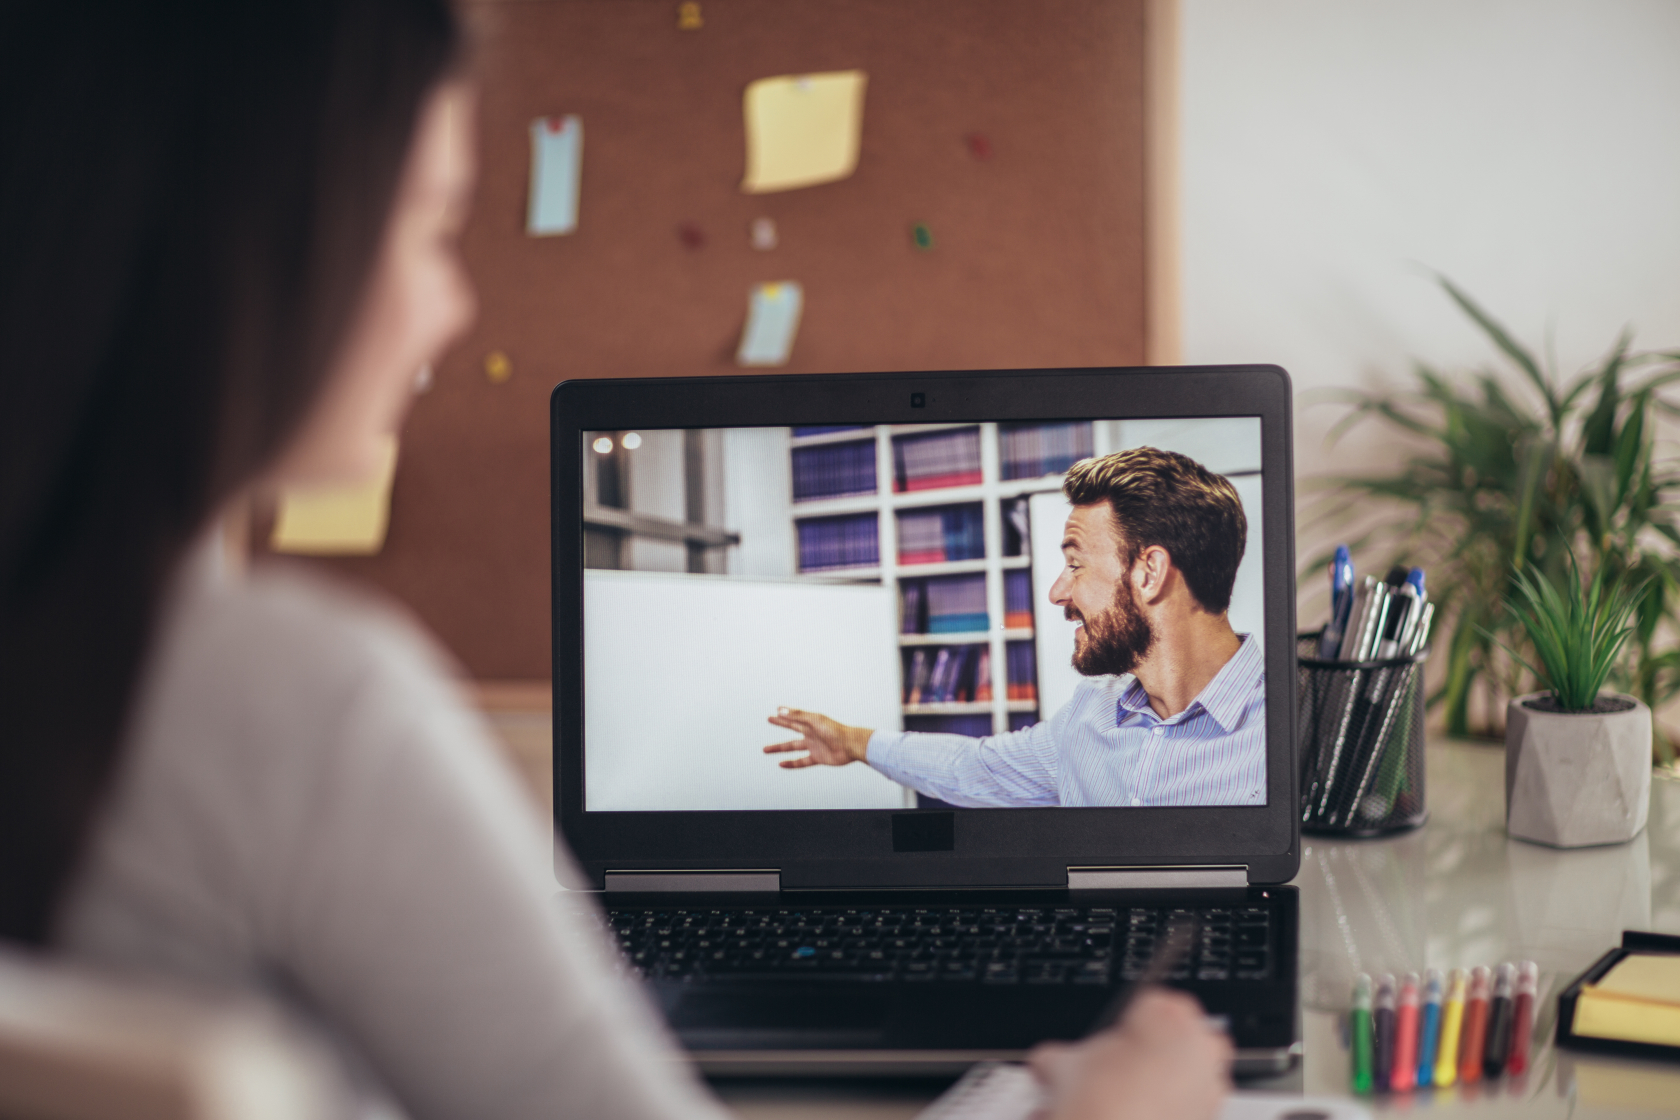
992	491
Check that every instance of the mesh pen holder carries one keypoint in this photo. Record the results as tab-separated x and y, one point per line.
1361	743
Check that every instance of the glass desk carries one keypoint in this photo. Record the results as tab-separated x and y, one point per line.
1455	893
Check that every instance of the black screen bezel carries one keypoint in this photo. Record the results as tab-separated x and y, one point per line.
996	847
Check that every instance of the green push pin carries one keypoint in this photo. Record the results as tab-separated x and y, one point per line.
921	236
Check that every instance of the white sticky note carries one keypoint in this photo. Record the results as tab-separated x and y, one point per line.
556	169
339	520
802	129
772	322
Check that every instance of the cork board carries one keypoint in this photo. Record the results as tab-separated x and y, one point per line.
1038	257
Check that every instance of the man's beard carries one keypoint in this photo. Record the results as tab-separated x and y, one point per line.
1116	640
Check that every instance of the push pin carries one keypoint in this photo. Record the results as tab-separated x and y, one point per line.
497	367
978	146
691	235
688	16
921	236
763	234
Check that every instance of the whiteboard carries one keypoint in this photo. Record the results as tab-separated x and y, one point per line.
1048	514
681	672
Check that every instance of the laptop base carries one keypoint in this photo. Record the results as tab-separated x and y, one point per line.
805	1024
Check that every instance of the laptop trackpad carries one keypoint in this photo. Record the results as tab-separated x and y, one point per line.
829	1015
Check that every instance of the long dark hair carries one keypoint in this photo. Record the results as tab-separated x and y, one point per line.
191	199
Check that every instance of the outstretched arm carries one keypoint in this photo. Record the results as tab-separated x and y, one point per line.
826	742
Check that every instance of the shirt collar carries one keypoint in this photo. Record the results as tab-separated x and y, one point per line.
1225	698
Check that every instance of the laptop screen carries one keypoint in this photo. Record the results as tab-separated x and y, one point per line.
920	615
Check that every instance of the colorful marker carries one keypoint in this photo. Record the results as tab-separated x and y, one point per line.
1498	1047
1406	1035
1429	1034
1362	1034
1452	1023
1382	1034
1522	1016
1475	1026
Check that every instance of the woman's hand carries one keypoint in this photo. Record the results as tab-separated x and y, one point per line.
1162	1062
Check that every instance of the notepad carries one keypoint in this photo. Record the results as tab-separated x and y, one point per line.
556	171
772	322
340	520
1638	1000
802	129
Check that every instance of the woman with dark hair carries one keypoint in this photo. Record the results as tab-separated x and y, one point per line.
227	244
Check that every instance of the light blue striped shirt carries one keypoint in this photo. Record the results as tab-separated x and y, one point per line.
1105	747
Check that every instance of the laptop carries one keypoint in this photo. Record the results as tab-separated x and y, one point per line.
890	747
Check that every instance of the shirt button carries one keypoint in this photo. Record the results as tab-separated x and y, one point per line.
1137	801
1159	730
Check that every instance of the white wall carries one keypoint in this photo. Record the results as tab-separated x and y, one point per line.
758	502
1334	152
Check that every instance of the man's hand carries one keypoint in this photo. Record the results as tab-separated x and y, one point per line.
1162	1061
826	742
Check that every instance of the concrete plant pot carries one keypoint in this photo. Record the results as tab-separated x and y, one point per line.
1574	779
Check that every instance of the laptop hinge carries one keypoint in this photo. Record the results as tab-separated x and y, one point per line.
1155	878
694	881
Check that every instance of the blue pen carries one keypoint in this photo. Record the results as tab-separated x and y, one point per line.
1430	1035
1416	600
1341	603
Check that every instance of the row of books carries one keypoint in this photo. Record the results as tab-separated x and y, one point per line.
925	536
1017	599
941	534
1023	671
833	470
955	604
1033	451
975	726
947	674
848	541
943	674
943	605
939	459
950	457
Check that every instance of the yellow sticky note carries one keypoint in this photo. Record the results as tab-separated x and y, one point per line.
802	129
340	520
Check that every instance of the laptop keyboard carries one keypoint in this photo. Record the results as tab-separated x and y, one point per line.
979	945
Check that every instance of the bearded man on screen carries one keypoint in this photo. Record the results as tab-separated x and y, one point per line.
1173	710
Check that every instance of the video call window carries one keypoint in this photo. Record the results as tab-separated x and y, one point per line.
899	578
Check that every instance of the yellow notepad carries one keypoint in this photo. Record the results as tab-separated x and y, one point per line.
1638	1000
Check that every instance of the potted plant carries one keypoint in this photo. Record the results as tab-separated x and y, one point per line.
1577	758
1501	469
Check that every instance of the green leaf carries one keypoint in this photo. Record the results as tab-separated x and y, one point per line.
1502	339
1630	444
1598	431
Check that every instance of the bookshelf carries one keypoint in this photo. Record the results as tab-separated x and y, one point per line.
938	514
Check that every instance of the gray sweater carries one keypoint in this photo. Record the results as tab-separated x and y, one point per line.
307	807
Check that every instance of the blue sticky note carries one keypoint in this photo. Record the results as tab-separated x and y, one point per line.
772	321
556	165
